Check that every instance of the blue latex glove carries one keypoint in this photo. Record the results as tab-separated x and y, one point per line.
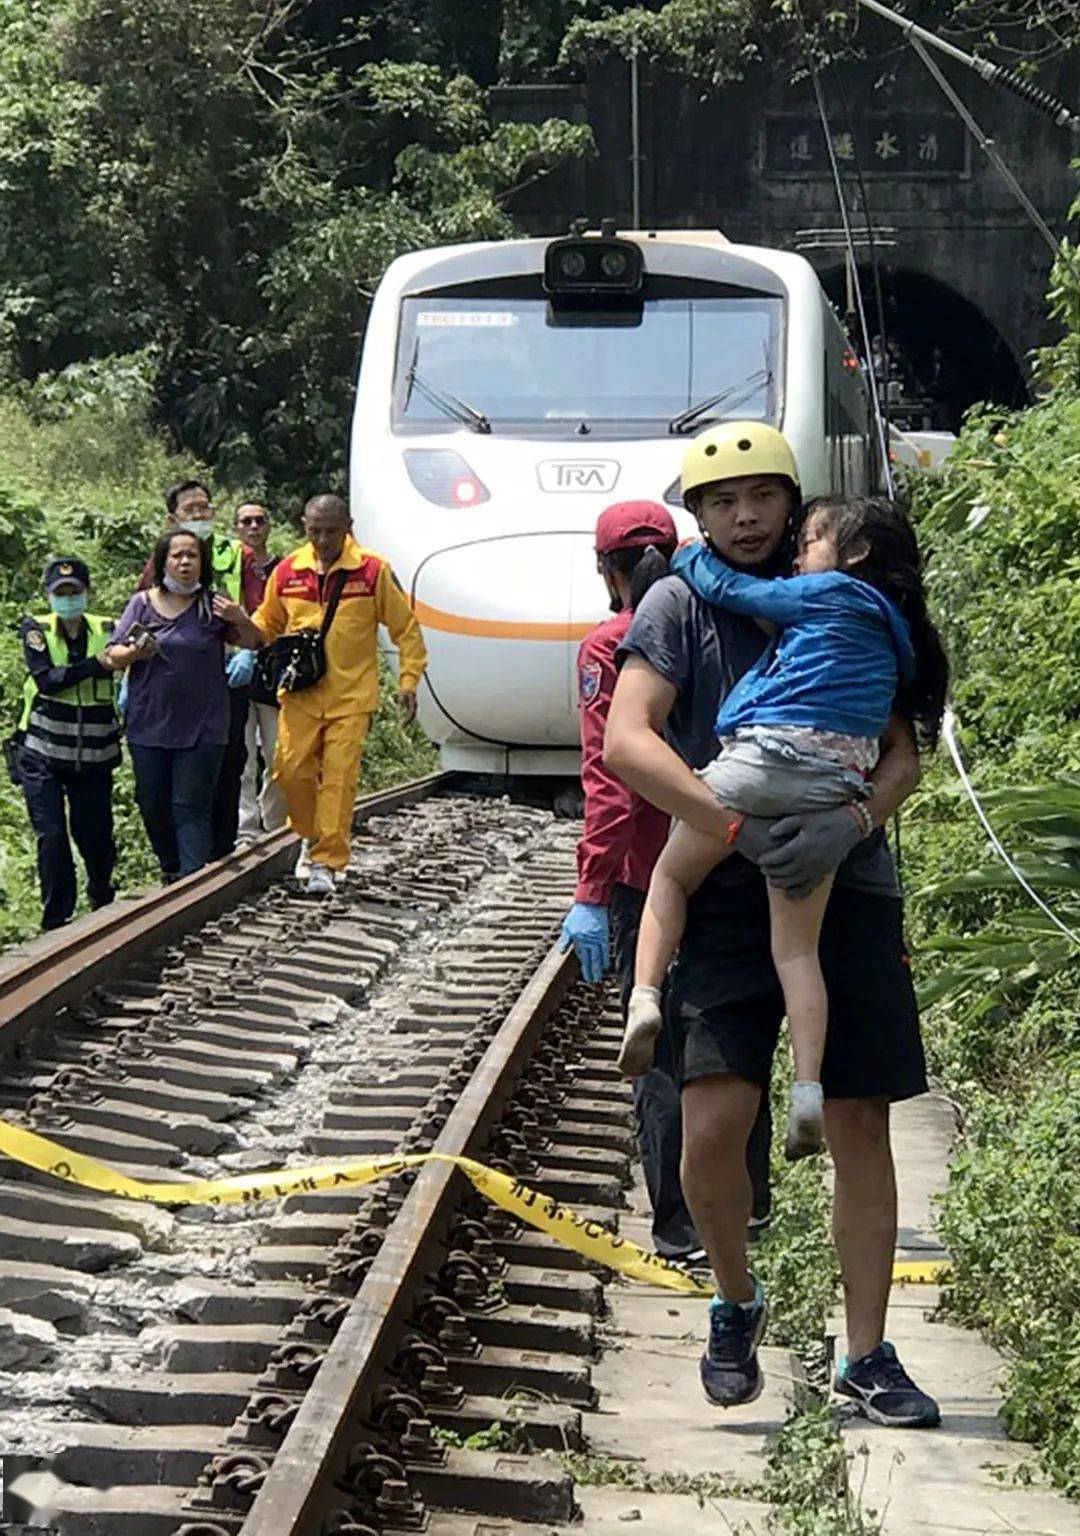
239	669
586	927
797	852
122	696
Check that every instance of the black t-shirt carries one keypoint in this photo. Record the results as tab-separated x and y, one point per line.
702	652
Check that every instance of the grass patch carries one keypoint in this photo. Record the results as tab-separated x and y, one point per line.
591	1471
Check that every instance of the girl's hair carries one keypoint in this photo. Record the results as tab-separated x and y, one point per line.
644	564
161	554
882	550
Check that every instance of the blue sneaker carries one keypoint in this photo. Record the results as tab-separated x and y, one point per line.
884	1392
730	1373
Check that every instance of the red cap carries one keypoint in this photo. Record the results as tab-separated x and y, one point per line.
631	524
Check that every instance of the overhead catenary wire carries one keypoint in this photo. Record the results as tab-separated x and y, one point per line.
993	154
1059	248
849	239
948	735
875	265
993	74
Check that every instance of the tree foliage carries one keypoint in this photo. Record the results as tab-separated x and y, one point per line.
223	181
998	976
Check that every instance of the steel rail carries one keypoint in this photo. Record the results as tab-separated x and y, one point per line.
298	1491
58	969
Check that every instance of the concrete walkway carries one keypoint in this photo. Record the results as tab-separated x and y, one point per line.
653	1425
941	1480
653	1422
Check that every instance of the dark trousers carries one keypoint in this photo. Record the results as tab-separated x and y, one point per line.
47	785
658	1107
175	794
226	812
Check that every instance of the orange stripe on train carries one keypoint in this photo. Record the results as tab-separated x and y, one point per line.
496	629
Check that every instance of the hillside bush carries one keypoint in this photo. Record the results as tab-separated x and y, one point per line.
1003	1031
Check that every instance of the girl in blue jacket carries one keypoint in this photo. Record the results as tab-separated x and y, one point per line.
800	732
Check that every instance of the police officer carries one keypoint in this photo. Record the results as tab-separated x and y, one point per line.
69	739
236	576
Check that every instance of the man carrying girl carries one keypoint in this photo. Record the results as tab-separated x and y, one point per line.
681	657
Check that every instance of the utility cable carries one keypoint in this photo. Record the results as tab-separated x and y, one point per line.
990	150
875	265
993	74
860	304
948	734
1060	248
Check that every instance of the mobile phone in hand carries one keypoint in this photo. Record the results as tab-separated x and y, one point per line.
143	640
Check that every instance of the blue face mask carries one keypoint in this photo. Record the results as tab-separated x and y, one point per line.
69	607
201	527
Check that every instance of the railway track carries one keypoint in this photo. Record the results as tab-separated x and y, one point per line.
317	1365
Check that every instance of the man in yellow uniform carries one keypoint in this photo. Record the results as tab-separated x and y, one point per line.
322	728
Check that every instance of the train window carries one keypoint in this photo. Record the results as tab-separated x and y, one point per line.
523	367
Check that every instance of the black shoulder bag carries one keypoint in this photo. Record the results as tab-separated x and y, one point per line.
300	658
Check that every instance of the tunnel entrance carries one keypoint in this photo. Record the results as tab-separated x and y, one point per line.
946	353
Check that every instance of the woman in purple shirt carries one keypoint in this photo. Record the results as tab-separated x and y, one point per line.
178	705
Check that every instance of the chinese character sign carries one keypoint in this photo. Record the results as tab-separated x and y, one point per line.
916	144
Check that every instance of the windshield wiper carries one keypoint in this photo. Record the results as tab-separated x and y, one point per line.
443	400
741	391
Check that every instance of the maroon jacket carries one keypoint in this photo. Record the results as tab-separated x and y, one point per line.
623	833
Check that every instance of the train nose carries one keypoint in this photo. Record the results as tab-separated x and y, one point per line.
503	618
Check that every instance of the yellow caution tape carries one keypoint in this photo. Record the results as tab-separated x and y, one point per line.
562	1223
558	1221
920	1271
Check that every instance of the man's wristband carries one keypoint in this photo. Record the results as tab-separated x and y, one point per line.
862	817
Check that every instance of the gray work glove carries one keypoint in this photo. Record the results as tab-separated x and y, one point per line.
797	852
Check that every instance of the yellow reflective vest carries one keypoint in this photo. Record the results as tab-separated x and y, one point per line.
77	727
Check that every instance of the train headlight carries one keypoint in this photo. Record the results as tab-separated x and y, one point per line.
443	477
595	265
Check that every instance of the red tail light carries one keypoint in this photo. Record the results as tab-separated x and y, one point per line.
443	477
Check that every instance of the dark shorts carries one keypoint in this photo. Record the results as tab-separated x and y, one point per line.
725	1004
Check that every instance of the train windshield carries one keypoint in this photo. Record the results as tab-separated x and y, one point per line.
511	364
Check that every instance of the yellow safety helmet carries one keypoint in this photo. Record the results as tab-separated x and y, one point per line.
736	448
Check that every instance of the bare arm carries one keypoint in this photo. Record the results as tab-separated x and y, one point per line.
896	775
635	750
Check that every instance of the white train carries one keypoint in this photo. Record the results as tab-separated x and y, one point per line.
509	391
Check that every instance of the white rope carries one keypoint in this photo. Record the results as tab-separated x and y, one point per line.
948	732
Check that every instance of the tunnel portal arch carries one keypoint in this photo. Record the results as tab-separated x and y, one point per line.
954	354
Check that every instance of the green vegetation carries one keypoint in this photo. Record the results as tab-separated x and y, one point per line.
214	187
1004	1029
795	1258
808	1480
609	1472
512	1438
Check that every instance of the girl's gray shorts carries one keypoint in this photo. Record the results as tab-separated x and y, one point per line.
765	775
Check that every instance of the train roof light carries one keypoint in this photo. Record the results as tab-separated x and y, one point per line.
599	267
443	477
